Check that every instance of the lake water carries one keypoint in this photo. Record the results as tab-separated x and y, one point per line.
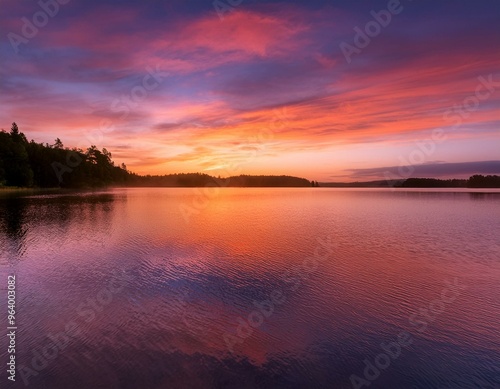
253	288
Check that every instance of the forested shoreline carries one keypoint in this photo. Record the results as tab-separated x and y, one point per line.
475	181
27	164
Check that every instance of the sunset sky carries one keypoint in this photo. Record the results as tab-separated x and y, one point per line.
261	88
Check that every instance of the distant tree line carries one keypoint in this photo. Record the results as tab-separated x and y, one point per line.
433	183
201	180
475	181
31	164
263	181
362	184
479	181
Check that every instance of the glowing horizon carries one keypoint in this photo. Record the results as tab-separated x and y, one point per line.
265	90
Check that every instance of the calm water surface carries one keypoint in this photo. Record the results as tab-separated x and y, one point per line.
166	288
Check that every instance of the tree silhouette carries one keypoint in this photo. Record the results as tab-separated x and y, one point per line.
480	181
58	144
26	164
14	130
